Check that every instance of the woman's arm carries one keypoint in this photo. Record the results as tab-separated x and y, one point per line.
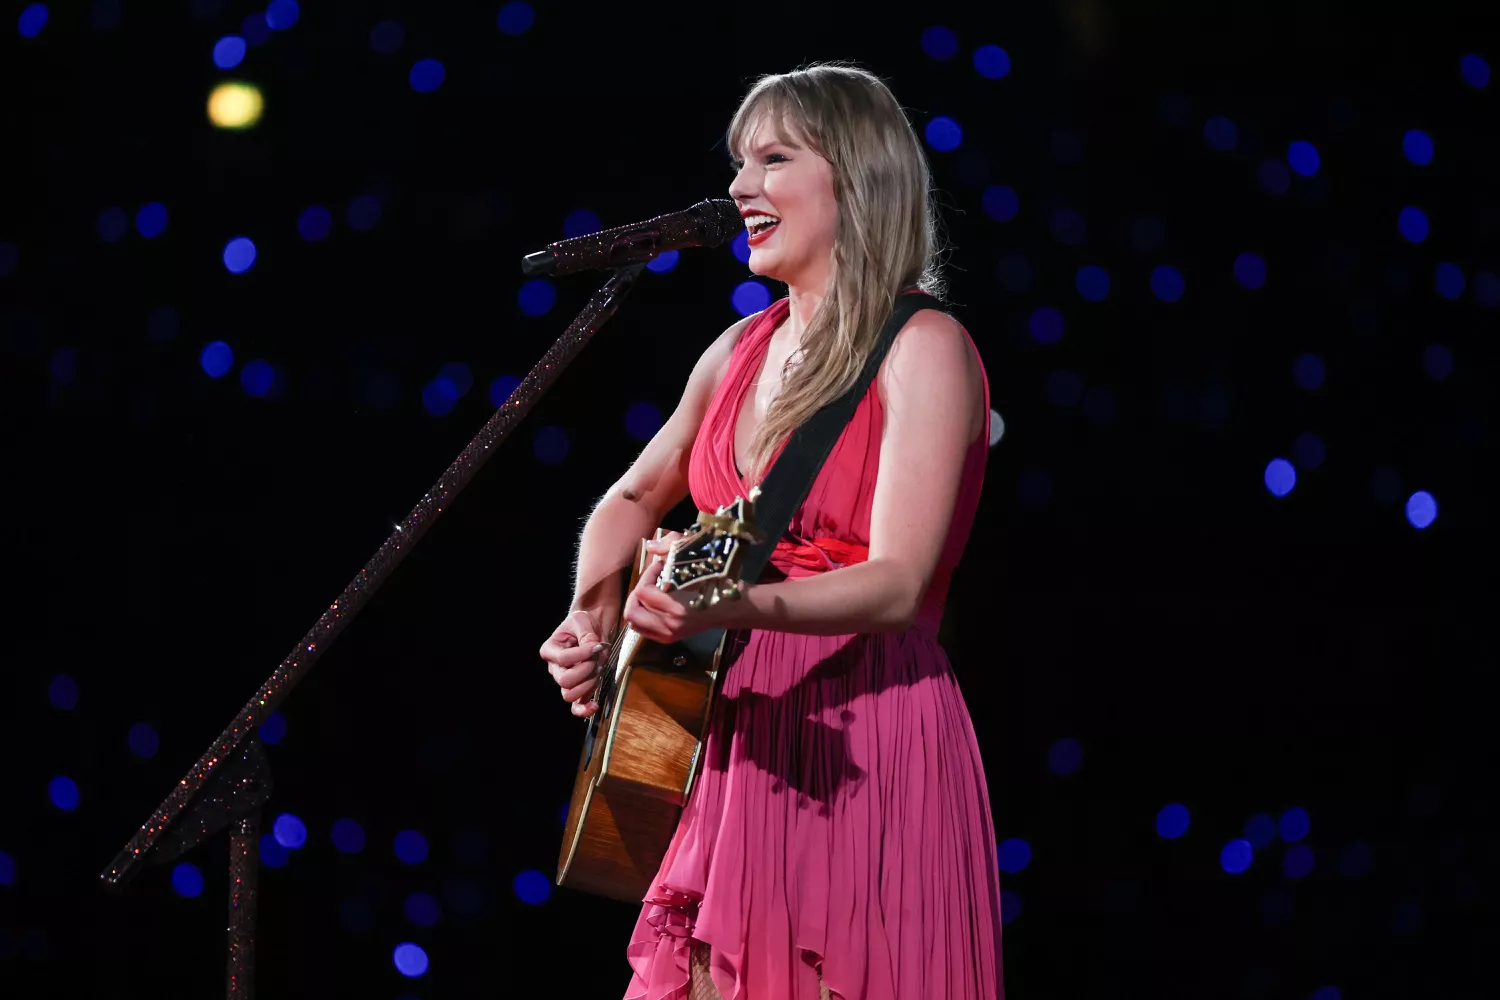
656	482
934	402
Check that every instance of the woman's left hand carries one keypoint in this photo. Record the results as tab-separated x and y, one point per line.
662	615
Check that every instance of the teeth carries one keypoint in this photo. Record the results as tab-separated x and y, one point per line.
756	221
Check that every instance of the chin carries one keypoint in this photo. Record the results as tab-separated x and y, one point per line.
765	266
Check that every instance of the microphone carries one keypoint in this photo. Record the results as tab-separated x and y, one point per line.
707	224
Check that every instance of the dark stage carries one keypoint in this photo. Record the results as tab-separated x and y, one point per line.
1223	624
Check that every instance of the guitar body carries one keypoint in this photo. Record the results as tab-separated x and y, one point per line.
642	749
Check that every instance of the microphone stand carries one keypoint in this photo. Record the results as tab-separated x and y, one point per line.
232	780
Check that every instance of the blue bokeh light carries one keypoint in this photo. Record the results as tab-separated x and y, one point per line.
1167	283
63	692
1235	857
1475	70
1327	993
1280	477
1357	860
348	836
940	42
1220	133
289	830
1421	509
239	255
501	388
1092	283
143	740
257	377
1486	287
411	847
1417	145
63	791
537	297
1303	158
229	51
1045	324
1437	362
1308	450
1015	272
426	75
550	445
7	869
422	909
532	887
642	421
515	18
458	376
1309	372
1064	388
151	220
32	20
1297	862
112	224
1294	825
1173	821
1412	222
1068	227
1010	906
664	262
1014	855
315	223
1000	203
272	729
581	222
1274	177
740	247
1250	270
387	37
1065	756
439	397
272	854
1260	830
1148	233
944	134
105	14
63	365
282	14
992	62
187	880
1448	279
410	959
362	213
216	359
255	29
750	297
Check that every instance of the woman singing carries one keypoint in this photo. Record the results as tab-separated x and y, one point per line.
838	842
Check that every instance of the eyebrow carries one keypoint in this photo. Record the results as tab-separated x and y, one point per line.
763	146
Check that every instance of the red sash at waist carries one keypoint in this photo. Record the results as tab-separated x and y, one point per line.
817	555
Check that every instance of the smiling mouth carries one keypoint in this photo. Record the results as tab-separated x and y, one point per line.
759	226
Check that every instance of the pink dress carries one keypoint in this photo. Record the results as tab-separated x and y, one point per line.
840	829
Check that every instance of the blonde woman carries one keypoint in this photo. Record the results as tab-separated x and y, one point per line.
838	842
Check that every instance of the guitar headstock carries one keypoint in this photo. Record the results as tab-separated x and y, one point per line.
708	557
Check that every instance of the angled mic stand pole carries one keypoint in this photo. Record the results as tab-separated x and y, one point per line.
231	781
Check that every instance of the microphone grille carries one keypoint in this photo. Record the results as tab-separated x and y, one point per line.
720	220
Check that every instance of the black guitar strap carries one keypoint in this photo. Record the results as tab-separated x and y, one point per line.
788	482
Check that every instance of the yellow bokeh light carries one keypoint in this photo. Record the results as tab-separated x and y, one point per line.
235	105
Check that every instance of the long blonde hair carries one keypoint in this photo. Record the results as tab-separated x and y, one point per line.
886	240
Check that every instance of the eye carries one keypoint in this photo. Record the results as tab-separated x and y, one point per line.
775	158
736	165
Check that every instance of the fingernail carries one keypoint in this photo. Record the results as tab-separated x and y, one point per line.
597	649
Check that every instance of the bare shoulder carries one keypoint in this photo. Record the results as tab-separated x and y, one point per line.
715	358
932	357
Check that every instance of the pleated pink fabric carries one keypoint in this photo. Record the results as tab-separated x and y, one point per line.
840	829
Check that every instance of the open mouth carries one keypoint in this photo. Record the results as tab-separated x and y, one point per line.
760	226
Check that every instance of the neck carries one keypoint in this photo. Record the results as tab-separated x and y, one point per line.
803	298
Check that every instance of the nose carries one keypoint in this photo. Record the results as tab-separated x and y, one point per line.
744	186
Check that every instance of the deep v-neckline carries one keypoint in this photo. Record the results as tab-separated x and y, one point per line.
751	379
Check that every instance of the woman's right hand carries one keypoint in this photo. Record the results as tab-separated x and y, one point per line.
573	655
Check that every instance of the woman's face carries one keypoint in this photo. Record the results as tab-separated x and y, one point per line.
785	192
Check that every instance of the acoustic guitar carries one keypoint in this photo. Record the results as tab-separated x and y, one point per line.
643	746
